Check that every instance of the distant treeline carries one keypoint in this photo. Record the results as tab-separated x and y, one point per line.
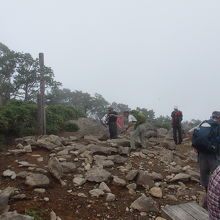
20	79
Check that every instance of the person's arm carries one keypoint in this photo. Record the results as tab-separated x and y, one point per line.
181	116
130	124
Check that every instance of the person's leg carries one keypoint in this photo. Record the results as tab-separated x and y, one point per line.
134	135
204	175
214	162
111	130
204	166
115	131
142	133
179	134
175	134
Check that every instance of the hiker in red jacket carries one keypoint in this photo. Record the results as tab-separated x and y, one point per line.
177	117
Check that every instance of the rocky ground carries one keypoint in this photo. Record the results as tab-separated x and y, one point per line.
85	178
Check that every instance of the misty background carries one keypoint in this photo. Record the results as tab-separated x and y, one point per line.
151	54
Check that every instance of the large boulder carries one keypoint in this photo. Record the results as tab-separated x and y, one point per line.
98	175
49	142
89	126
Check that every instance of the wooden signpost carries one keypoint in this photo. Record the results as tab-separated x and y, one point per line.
41	117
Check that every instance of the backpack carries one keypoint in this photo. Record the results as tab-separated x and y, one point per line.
141	118
206	137
177	117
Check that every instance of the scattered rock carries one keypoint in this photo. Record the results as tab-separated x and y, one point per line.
145	204
180	177
131	175
117	159
132	186
39	190
168	145
78	181
98	175
160	218
96	193
104	163
144	179
63	152
166	156
28	148
118	181
156	176
26	164
104	187
156	192
110	197
55	168
35	180
9	173
68	167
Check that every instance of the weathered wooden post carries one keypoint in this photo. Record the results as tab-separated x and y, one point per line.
41	99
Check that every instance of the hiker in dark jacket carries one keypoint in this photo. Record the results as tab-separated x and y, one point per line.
208	161
112	123
177	117
206	141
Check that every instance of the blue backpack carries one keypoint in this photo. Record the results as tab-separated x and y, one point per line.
206	137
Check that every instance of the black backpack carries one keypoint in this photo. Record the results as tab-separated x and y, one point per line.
206	137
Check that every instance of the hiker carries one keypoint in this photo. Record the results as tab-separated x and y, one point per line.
213	198
177	117
136	120
206	140
111	121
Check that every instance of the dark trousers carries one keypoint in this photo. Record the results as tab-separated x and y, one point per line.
113	131
207	164
177	133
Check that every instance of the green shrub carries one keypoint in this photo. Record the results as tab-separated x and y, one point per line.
18	118
70	126
57	115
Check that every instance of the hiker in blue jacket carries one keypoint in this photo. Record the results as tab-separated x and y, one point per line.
206	140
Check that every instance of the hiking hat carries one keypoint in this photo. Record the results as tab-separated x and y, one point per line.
215	114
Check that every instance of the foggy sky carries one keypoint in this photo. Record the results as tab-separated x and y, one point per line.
148	53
